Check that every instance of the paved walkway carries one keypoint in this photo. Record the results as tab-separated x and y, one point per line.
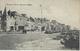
31	40
43	44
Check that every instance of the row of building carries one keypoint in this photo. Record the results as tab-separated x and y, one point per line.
55	26
12	21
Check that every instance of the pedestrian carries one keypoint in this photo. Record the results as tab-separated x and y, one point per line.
24	31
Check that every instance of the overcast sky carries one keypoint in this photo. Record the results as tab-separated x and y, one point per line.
64	11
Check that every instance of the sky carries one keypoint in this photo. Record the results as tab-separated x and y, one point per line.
64	11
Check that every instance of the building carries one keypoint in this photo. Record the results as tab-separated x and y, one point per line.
10	23
16	23
21	22
55	26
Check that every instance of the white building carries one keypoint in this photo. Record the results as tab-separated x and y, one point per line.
10	23
16	23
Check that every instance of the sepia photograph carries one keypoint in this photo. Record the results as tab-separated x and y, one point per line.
39	24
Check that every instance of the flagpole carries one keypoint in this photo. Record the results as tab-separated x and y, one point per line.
41	10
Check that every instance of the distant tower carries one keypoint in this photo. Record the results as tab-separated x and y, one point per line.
3	20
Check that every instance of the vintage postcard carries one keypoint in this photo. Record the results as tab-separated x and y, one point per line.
39	24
